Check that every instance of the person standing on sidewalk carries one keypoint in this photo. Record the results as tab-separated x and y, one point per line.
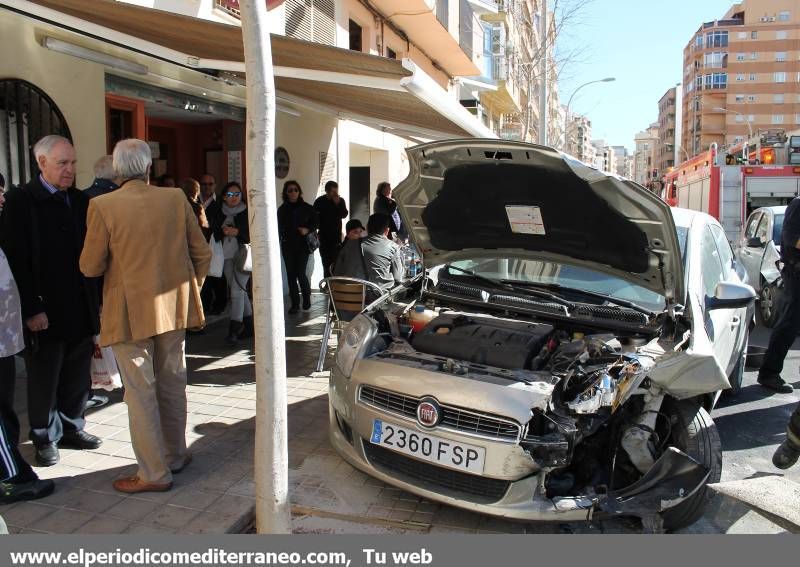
215	289
17	479
147	244
230	225
42	232
331	209
296	219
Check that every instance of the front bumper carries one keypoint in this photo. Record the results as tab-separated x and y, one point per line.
511	486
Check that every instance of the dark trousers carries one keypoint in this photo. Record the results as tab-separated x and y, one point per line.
58	386
12	466
785	331
296	264
214	294
327	253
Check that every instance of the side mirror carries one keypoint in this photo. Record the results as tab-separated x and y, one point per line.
729	295
755	242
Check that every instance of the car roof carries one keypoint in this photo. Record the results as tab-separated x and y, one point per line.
686	217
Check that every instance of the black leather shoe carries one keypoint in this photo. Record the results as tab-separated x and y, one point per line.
785	455
294	309
31	490
776	384
46	455
80	440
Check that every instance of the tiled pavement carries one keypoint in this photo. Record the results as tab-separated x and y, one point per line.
215	494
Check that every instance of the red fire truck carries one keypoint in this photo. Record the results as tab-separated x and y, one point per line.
729	185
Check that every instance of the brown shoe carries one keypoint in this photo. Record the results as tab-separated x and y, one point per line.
186	460
134	485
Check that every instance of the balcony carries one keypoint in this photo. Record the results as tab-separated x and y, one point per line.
420	21
507	98
230	7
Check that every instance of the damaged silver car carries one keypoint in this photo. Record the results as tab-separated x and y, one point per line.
558	357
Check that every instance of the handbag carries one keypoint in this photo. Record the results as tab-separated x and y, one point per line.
105	372
217	258
312	241
243	261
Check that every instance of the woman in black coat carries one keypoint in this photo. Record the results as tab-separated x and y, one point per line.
296	220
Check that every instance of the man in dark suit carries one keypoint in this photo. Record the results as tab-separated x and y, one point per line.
331	209
42	232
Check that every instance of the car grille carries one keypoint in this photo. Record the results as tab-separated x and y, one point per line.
511	300
462	290
474	488
612	313
453	418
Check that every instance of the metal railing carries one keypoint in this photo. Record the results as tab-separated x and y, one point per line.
229	7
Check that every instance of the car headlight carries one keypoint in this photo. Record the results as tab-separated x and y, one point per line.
354	340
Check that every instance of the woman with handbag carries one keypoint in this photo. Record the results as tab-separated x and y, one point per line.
230	226
297	225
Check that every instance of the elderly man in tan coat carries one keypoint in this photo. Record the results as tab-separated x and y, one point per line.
147	244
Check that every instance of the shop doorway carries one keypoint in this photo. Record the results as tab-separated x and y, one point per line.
359	194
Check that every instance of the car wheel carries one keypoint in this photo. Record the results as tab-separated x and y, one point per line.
693	432
768	303
737	375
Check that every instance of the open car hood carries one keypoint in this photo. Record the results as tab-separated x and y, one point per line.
494	198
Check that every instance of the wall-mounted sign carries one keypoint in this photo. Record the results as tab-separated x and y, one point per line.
281	162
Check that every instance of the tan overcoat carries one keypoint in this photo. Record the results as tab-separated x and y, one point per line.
147	244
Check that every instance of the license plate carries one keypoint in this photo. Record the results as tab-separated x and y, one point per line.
444	452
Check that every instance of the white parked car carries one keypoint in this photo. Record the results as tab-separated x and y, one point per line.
573	336
759	252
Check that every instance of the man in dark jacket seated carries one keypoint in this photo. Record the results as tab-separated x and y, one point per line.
374	258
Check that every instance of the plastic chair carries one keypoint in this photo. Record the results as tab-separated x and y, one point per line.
347	297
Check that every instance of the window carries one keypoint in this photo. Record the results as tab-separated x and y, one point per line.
784	16
741	35
723	247
777	118
717	38
780	34
356	35
763	229
699	83
711	264
720	80
780	77
753	35
778	99
751	118
715	60
753	56
752	76
780	56
752	223
739	118
698	41
751	98
741	56
707	82
740	97
740	77
738	139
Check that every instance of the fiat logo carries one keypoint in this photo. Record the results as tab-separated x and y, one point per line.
428	412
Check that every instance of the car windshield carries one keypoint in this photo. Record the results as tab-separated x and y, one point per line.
777	227
522	271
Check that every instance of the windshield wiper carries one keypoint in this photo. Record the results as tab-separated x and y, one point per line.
508	286
597	295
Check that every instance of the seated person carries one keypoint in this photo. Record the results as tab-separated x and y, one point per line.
374	258
354	230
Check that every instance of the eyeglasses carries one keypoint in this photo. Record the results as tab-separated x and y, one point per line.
232	194
292	190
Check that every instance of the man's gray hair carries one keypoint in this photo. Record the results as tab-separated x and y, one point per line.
104	168
132	159
44	146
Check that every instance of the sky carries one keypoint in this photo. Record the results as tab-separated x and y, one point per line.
640	43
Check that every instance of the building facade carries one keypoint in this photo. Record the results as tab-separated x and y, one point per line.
645	157
578	138
667	124
742	75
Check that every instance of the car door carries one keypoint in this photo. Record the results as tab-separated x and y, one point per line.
738	318
721	324
750	256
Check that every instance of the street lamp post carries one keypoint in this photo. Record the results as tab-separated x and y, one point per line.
569	102
749	128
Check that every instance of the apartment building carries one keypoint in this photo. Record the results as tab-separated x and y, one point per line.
578	138
742	74
621	161
508	89
605	156
645	157
668	121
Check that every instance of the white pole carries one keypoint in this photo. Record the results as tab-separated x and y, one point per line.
271	453
543	71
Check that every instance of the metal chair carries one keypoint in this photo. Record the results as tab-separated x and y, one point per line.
347	297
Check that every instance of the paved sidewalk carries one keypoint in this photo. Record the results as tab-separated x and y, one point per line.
215	494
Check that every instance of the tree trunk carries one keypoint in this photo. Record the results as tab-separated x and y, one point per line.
271	454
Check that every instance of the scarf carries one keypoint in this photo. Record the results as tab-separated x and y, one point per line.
230	245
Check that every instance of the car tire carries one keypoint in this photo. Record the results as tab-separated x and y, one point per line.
737	375
693	432
768	299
